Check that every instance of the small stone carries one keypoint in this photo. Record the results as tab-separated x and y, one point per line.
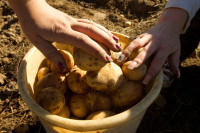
128	23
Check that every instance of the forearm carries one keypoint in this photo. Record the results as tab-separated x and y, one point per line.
191	6
22	7
175	18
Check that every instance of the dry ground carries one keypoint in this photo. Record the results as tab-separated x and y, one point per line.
176	111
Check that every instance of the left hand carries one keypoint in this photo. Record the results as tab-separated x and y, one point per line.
161	43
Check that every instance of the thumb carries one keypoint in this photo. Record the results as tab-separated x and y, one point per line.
51	53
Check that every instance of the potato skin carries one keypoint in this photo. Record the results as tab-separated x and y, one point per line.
52	79
96	101
51	100
78	106
75	81
42	72
65	112
128	94
115	56
100	114
135	74
88	62
107	79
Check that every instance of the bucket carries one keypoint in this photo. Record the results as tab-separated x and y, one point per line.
124	122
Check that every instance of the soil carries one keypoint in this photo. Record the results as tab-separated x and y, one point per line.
177	108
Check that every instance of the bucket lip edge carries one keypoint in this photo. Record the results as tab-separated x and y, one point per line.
81	125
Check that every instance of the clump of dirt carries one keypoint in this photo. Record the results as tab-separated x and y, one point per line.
178	108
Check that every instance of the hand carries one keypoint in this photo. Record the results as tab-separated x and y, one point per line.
44	24
161	43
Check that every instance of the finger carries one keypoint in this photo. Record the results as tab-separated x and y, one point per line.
144	54
97	25
155	66
84	42
50	52
97	34
174	63
134	46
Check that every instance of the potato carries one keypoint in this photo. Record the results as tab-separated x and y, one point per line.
99	115
76	82
42	72
69	60
47	63
134	54
52	79
78	106
107	79
88	62
97	101
51	100
65	47
135	74
65	112
115	56
128	94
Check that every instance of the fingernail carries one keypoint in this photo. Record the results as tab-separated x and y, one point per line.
108	58
147	79
61	66
132	65
121	58
119	48
115	38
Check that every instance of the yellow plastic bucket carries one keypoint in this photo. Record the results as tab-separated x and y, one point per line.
124	122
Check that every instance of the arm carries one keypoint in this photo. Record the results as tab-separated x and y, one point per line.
43	24
190	6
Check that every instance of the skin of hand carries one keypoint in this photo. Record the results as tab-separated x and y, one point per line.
43	24
160	43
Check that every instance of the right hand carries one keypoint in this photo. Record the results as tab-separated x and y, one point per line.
44	24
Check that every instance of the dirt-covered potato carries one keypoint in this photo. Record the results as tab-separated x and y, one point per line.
51	100
42	72
52	79
96	101
135	74
128	94
65	112
76	82
99	115
108	78
86	61
69	60
78	106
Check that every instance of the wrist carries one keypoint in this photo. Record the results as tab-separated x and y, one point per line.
175	18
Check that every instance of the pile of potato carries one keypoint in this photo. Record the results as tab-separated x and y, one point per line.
90	89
